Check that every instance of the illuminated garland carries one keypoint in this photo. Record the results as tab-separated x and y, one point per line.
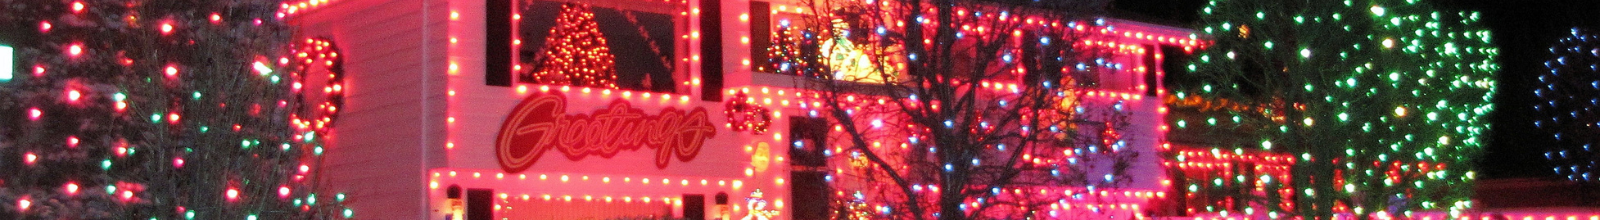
310	52
1568	104
745	114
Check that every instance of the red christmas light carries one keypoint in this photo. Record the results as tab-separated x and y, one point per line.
73	95
75	49
71	188
166	28
34	113
172	71
232	194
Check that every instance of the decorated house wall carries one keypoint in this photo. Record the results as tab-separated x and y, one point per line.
434	104
563	139
391	124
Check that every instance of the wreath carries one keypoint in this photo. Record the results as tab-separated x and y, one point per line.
744	114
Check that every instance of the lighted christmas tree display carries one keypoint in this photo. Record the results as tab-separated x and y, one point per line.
1568	94
161	110
1381	104
795	53
575	53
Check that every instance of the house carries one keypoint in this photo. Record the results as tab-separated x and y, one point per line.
615	109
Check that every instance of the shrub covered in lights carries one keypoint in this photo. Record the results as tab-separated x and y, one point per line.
163	110
1383	104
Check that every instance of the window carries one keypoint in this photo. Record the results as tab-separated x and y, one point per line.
623	44
809	171
797	43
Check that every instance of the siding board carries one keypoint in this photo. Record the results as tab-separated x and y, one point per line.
395	51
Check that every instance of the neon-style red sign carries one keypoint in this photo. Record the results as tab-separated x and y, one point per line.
540	123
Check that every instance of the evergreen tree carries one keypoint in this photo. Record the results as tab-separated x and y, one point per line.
157	109
1382	104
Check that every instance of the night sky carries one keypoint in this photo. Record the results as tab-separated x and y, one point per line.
1524	31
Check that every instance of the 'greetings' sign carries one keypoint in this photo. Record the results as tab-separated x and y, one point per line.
540	124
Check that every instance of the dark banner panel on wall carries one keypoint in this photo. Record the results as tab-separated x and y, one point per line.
711	50
1150	75
480	204
760	33
593	45
694	206
497	43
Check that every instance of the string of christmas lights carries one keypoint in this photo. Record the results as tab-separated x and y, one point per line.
1383	104
575	53
135	110
1568	92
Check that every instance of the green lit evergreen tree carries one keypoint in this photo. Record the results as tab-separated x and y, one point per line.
1383	104
126	109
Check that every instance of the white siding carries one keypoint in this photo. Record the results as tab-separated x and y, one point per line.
392	127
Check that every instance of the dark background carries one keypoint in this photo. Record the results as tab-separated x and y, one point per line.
1524	31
